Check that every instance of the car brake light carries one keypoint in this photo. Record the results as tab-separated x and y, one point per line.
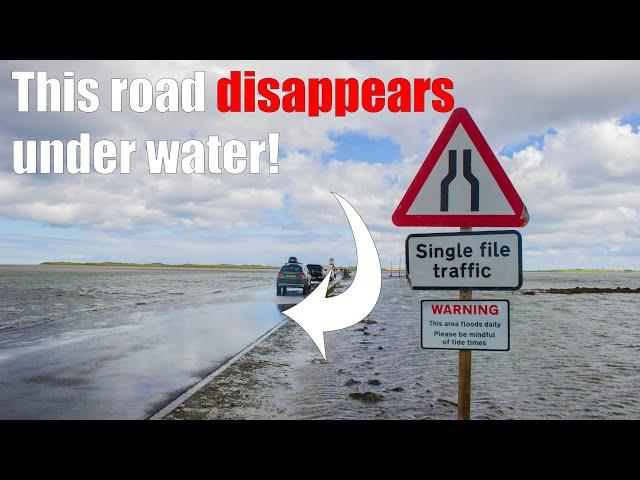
280	275
301	274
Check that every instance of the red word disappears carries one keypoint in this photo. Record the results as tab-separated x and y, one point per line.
243	92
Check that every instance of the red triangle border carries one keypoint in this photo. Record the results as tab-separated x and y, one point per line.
459	116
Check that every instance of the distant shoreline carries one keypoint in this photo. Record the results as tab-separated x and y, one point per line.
560	270
586	270
557	270
229	266
232	266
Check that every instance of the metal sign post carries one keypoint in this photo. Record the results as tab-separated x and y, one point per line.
464	365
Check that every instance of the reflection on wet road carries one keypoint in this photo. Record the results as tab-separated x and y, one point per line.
127	364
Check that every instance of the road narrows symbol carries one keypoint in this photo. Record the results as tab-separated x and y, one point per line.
466	171
475	185
446	181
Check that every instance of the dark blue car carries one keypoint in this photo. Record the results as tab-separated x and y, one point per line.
293	275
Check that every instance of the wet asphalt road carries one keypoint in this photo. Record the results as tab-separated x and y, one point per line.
129	365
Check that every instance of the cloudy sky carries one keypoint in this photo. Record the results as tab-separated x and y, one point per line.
565	132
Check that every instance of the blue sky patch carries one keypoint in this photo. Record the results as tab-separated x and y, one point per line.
360	147
632	119
532	140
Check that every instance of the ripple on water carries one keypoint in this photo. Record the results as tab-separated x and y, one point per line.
570	357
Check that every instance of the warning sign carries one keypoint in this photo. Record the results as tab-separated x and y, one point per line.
461	184
465	324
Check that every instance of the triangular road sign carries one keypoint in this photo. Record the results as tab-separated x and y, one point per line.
461	184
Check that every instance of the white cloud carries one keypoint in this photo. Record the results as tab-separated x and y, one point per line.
581	185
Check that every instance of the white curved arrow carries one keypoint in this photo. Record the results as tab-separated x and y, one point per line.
318	314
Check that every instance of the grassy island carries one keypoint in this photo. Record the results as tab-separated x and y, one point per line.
162	265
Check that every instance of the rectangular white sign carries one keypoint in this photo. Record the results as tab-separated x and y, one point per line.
465	324
478	260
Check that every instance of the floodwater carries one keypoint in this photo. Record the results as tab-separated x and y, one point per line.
571	357
121	343
83	342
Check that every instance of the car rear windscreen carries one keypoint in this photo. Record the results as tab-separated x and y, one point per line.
291	269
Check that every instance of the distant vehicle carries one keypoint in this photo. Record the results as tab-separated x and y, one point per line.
316	271
329	270
293	275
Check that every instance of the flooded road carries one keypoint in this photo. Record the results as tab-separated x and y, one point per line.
571	357
125	361
123	344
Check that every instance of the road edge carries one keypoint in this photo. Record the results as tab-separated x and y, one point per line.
164	411
206	380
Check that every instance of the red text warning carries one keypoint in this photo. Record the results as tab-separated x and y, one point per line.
465	324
